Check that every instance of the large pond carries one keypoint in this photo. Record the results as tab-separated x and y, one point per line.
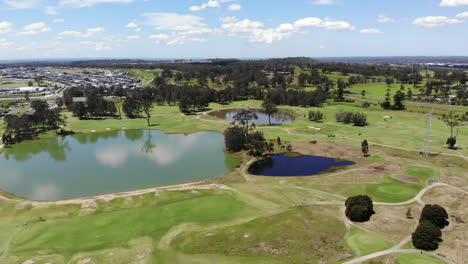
101	163
280	165
280	117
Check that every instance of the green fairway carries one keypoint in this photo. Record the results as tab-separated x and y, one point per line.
81	233
415	258
364	243
299	235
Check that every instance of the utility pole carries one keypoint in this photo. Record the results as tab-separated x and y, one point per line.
427	139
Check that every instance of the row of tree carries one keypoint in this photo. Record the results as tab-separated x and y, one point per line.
29	125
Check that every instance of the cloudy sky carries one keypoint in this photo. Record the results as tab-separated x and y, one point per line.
31	29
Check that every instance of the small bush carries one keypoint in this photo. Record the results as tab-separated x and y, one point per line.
315	116
358	119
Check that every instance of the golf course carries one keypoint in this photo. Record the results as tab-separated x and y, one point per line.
165	190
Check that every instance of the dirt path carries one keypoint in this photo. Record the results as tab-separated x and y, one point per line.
327	193
91	201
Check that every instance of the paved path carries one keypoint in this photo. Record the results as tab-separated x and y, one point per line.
417	198
395	251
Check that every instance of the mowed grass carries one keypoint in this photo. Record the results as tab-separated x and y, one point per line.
232	161
298	235
389	191
89	232
415	258
364	243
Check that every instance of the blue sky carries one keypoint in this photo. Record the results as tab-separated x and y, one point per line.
32	29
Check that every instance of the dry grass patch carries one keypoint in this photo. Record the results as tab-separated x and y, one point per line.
456	236
392	222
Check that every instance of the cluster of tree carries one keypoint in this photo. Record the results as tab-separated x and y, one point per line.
243	136
315	116
428	234
359	208
358	119
28	125
94	106
398	100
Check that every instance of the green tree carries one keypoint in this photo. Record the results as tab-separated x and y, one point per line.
234	138
387	104
435	214
398	99
359	208
427	236
147	107
244	118
454	121
269	108
363	93
365	147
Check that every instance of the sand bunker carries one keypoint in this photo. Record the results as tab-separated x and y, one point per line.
405	178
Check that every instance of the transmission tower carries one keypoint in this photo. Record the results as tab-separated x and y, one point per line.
427	139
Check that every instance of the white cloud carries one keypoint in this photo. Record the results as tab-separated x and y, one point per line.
322	47
133	37
131	25
454	3
370	31
88	3
462	15
23	4
173	21
97	45
244	26
5	44
235	7
323	2
256	33
434	21
175	39
385	19
5	27
59	20
228	19
34	29
210	3
89	33
328	23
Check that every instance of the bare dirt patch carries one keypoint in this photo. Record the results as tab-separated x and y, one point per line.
407	179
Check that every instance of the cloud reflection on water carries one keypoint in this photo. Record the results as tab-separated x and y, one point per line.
163	153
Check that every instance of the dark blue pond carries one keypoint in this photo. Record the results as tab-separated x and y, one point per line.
280	165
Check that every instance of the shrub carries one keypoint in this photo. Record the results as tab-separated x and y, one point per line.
358	119
315	116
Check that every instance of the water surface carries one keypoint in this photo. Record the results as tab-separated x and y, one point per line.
280	117
280	165
101	163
